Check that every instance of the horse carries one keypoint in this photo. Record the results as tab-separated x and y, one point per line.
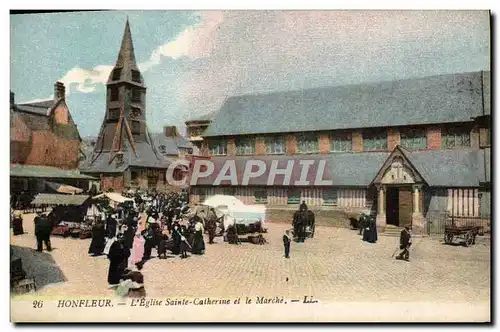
303	223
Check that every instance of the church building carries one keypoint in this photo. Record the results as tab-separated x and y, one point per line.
402	150
125	155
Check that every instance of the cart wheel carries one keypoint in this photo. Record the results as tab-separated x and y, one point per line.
469	239
448	238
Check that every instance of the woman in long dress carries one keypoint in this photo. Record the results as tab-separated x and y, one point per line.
198	243
137	250
117	262
17	224
98	239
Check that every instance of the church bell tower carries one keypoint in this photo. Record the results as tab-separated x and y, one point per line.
124	139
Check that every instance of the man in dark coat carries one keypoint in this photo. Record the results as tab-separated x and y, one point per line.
303	217
211	225
98	239
117	261
110	227
43	228
286	243
405	244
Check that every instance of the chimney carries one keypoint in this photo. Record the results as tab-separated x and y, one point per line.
12	98
170	131
59	91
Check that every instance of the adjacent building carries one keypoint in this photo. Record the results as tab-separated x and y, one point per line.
171	144
402	149
44	145
125	154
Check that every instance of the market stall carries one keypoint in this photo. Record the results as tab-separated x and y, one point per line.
68	213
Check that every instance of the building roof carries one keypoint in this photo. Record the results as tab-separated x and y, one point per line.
171	144
37	117
59	199
202	117
36	171
38	108
434	99
448	168
145	158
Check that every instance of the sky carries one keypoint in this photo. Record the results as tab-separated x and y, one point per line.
193	60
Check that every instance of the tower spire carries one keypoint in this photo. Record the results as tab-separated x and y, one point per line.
126	57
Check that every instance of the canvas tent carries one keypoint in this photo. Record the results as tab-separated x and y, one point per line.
117	198
59	199
63	188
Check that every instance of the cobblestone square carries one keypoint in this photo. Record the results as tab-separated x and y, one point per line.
335	266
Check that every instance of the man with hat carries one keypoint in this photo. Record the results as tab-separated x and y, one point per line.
43	228
405	244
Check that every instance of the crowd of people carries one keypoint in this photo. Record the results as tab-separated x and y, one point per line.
169	227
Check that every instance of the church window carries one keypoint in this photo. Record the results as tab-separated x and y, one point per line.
218	148
136	95
307	143
113	114
115	93
245	146
456	137
135	127
116	74
293	196
136	76
330	197
414	139
275	145
340	143
375	140
260	196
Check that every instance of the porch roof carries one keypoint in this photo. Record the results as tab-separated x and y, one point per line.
38	171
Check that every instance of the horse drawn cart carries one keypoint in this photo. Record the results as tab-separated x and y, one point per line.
464	234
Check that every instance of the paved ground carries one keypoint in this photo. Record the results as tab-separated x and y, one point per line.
335	265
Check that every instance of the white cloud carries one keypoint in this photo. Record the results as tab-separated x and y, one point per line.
194	42
86	79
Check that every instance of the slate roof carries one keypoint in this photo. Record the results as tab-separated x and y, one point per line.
171	143
434	99
448	168
35	171
146	157
38	108
59	199
36	117
202	117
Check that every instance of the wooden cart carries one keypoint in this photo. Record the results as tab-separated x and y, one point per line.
465	234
